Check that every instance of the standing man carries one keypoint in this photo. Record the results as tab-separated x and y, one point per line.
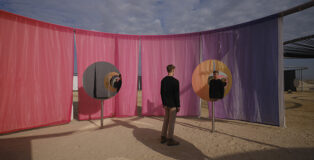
216	87
171	103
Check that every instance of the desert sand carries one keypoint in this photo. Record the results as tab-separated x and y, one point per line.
135	138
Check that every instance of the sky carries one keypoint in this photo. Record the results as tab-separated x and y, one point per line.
159	17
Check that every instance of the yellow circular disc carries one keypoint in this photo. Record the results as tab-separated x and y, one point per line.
107	81
202	73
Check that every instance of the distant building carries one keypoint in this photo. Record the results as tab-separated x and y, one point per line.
75	82
293	78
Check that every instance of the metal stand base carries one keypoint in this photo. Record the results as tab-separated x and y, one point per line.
102	113
213	117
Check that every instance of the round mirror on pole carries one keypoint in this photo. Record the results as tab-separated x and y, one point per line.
212	81
102	80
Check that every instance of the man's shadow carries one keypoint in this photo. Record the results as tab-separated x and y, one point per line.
151	139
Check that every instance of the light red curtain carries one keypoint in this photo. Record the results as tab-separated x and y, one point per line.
121	51
36	73
157	52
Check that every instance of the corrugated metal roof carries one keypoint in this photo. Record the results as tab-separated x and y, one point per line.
300	48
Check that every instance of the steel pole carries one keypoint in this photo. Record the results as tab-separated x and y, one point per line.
301	81
102	113
213	117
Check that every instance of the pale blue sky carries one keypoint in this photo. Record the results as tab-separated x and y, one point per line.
166	17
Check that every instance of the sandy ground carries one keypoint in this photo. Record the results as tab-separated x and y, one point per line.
138	138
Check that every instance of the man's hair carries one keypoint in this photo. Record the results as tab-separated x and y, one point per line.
216	72
170	67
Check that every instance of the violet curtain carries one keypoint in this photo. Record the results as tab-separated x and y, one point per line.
119	50
36	73
157	52
252	53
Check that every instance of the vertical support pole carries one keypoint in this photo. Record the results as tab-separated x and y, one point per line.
213	117
201	59
280	82
301	81
102	113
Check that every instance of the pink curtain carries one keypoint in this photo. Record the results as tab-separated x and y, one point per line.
36	73
121	51
183	51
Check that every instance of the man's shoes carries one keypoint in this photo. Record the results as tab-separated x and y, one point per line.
172	142
163	140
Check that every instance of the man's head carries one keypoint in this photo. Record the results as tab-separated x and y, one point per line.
170	69
215	73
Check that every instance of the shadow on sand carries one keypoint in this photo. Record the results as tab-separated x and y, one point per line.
20	148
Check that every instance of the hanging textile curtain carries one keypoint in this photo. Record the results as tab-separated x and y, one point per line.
183	51
36	73
119	50
252	53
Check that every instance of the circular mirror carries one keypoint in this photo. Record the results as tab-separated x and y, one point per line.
102	80
203	77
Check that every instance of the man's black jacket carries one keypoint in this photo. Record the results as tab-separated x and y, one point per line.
216	88
169	91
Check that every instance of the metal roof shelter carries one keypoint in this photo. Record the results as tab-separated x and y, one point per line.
300	48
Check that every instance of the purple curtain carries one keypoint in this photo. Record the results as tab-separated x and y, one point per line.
183	51
251	52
